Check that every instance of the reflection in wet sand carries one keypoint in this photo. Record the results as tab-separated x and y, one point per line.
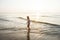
28	34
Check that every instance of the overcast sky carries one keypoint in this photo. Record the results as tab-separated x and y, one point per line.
29	5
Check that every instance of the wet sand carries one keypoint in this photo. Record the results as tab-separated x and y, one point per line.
25	35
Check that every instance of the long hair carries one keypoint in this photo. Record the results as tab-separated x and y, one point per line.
27	17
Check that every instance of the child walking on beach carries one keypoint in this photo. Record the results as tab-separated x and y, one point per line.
28	22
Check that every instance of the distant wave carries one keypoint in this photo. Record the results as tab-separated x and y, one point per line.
3	19
39	22
31	21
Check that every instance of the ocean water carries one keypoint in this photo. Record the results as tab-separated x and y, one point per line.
15	28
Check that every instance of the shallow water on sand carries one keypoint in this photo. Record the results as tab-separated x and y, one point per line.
10	30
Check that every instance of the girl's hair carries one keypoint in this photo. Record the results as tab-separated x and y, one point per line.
27	17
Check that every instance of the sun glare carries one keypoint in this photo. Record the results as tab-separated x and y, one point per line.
37	15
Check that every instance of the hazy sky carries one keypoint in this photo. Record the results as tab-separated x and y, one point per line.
29	5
